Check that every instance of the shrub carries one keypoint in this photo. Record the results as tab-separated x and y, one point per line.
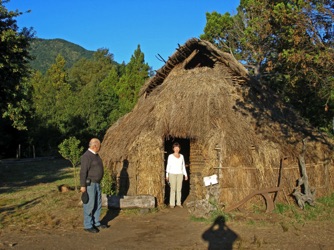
70	150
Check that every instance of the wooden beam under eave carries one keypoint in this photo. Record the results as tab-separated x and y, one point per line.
189	58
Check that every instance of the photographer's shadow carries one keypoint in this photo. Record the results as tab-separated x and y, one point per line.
220	236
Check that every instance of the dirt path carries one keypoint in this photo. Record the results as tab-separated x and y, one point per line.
173	229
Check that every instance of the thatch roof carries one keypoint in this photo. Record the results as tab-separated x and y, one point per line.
205	94
195	53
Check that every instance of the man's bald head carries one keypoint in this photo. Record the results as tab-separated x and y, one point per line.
95	144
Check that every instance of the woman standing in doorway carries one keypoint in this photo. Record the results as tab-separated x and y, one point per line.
175	171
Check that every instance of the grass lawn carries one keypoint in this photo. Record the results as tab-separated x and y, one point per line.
30	197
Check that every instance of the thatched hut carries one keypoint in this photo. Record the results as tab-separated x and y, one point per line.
226	123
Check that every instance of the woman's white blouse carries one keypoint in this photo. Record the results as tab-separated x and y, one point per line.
175	165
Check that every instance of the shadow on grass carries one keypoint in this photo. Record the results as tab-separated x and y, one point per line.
18	174
111	214
25	205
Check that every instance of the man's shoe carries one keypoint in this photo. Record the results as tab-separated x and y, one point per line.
103	226
91	230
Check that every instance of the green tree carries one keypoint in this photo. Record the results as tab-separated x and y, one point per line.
109	100
95	100
223	31
14	69
73	102
62	98
287	45
70	150
52	96
53	107
127	88
94	70
305	57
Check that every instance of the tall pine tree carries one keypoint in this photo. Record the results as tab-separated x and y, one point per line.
127	89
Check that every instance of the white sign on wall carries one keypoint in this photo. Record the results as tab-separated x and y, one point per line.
210	180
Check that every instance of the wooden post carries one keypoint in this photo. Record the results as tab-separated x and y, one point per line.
309	193
18	154
219	156
280	175
163	179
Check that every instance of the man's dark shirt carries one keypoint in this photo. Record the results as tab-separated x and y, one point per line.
91	168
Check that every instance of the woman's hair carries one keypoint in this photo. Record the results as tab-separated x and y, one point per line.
176	144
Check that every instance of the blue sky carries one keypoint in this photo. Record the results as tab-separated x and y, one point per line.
120	25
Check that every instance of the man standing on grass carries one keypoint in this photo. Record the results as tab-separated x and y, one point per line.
91	174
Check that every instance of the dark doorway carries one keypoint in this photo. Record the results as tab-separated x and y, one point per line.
185	151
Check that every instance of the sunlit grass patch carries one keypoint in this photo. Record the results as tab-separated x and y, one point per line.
322	210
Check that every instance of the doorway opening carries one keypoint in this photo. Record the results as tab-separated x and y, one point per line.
185	151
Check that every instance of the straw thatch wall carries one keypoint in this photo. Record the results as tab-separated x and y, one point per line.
206	96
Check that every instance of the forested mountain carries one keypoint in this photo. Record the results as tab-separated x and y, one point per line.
45	51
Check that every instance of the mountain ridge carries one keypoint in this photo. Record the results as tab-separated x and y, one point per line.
45	52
